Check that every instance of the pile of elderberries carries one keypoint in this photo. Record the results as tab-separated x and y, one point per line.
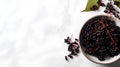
100	37
73	47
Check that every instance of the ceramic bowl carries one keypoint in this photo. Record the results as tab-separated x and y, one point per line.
95	59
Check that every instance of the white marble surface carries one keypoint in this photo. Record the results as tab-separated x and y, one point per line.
32	32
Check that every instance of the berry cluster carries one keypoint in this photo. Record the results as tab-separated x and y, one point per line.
73	47
100	37
111	10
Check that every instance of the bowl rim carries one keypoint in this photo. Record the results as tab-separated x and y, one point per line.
81	46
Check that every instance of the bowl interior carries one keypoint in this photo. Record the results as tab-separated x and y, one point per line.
95	59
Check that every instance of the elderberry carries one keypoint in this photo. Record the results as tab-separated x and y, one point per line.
111	10
100	37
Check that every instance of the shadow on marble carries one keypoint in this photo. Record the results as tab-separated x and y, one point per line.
115	64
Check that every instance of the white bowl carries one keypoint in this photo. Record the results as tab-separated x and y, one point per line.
95	59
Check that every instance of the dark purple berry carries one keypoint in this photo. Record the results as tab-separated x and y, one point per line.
70	56
66	58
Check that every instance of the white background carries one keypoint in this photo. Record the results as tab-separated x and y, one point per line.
32	32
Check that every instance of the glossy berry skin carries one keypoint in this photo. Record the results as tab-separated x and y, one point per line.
100	37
